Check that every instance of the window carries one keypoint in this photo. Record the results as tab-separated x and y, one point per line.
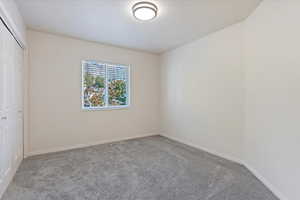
104	85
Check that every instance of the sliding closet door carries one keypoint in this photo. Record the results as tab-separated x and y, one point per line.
19	101
3	118
4	140
11	103
18	96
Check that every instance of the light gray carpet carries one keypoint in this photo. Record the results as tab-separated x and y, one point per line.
152	168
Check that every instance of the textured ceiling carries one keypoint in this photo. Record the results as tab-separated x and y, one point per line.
111	21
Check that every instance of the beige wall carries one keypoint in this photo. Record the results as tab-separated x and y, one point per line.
202	93
56	118
272	64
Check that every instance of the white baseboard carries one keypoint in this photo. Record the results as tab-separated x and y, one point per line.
78	146
227	157
267	183
9	176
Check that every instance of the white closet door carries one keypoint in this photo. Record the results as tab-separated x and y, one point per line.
4	147
19	100
1	107
11	102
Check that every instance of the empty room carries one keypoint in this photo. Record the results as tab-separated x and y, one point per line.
149	100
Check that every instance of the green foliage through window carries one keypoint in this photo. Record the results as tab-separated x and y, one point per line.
117	92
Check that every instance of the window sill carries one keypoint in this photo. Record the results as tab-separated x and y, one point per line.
107	108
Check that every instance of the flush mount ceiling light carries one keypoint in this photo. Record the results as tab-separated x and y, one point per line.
144	10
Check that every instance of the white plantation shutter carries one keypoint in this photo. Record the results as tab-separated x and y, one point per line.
115	90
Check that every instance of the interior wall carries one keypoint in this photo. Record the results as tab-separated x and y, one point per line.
56	119
202	93
272	64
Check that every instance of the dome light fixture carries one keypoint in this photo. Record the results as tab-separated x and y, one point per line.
144	10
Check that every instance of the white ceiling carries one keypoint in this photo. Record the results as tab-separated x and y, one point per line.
111	21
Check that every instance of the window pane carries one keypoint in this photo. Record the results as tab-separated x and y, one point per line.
93	85
117	85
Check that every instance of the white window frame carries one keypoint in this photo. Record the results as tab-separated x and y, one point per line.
106	107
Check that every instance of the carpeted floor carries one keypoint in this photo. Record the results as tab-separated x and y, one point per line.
152	168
